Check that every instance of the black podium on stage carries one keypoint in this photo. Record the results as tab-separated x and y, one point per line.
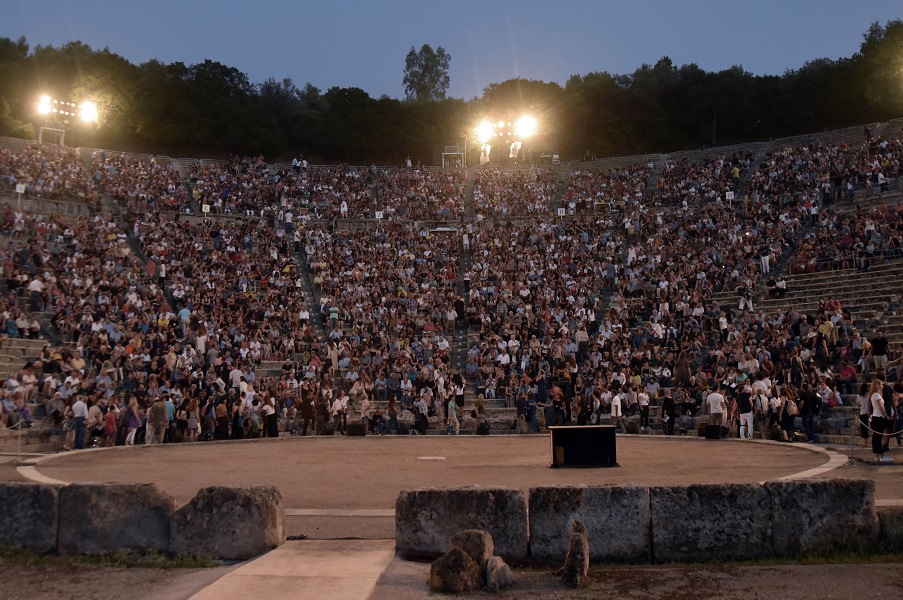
584	446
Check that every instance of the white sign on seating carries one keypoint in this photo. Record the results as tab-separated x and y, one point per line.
205	208
560	212
379	215
20	188
729	195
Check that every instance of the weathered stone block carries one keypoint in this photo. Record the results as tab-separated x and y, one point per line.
455	572
29	515
576	563
426	520
101	518
891	520
229	523
498	574
476	543
823	514
703	522
616	518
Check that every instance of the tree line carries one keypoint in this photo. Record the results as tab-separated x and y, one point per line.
211	109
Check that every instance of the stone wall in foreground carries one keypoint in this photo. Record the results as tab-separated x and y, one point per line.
105	518
655	524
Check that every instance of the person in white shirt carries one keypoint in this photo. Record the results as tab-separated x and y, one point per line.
270	418
643	400
340	413
617	414
365	412
716	404
80	415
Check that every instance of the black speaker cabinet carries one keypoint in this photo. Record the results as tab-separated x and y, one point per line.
584	446
715	432
357	429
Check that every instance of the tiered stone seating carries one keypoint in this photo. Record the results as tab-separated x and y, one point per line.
864	296
42	437
14	353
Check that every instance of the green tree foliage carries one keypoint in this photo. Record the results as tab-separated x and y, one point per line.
11	126
426	73
211	109
881	67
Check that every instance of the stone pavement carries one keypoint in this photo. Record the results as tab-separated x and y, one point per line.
314	569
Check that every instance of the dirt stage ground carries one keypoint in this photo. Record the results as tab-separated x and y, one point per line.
337	488
367	473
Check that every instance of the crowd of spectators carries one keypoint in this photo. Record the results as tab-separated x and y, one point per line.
140	185
390	300
592	316
595	189
514	192
51	172
684	182
858	239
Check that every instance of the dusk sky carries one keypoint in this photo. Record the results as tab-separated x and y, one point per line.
363	44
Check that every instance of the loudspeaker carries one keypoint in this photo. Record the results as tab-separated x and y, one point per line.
586	446
356	429
715	432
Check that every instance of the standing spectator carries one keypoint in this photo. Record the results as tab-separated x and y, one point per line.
340	413
716	404
669	412
810	408
365	413
132	420
745	407
185	320
80	416
157	422
169	435
36	289
643	401
788	413
109	428
393	415
270	421
879	422
617	415
308	409
879	351
452	417
479	414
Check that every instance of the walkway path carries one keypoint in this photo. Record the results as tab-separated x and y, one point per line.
314	569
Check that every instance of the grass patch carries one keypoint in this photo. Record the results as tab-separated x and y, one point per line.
128	560
822	558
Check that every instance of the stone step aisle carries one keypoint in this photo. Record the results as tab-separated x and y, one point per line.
317	320
459	340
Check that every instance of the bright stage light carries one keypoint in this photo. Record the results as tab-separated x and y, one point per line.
88	112
501	124
44	105
526	127
484	132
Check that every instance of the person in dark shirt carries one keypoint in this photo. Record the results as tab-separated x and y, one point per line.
810	408
745	409
523	412
669	410
879	351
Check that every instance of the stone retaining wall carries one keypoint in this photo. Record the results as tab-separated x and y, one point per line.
426	520
656	524
104	518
